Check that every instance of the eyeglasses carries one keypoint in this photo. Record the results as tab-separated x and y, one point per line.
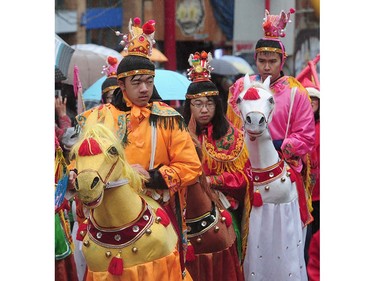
199	105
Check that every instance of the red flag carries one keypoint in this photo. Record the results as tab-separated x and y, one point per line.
77	87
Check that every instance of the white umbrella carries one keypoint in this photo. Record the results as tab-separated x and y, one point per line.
90	66
241	64
101	50
223	67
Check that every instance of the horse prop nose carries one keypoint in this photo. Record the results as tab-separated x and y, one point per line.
255	119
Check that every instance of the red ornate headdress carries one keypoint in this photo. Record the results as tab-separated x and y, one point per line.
110	70
274	25
200	73
274	28
138	42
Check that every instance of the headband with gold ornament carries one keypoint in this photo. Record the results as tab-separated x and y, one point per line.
274	28
138	42
200	73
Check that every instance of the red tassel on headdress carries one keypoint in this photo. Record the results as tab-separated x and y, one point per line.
81	232
257	199
116	266
228	217
190	253
164	217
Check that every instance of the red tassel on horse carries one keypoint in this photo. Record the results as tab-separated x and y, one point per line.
81	232
190	253
258	201
228	217
116	266
164	217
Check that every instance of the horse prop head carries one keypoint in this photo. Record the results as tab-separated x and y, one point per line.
100	164
256	105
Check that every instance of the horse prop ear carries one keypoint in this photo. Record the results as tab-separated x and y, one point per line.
246	81
267	82
246	85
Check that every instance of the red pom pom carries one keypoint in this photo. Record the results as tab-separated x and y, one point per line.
190	253
116	266
228	217
148	28
81	232
292	11
257	199
137	21
251	94
204	55
89	147
112	60
164	217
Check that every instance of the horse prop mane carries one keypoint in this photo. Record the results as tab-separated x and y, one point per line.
127	236
276	237
212	253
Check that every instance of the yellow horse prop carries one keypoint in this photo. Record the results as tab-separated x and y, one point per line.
128	236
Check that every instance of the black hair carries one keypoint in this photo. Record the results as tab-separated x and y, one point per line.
270	43
132	62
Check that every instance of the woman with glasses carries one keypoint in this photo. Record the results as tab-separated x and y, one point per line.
225	160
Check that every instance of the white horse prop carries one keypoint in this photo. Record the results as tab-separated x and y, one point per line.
275	246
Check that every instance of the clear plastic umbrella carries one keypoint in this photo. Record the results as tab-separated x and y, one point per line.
223	67
90	65
241	64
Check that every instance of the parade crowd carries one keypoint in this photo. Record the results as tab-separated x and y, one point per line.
204	150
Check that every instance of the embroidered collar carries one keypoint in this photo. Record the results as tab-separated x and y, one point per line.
226	149
264	176
123	236
203	223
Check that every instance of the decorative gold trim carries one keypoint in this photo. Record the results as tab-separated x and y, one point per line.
106	90
135	72
203	94
269	49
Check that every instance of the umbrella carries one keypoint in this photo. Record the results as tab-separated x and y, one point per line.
63	55
101	50
170	85
241	64
156	55
90	67
223	67
94	92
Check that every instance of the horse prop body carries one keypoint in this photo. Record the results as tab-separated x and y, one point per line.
275	248
128	236
212	253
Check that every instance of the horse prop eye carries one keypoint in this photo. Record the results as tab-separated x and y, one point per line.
113	151
271	100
